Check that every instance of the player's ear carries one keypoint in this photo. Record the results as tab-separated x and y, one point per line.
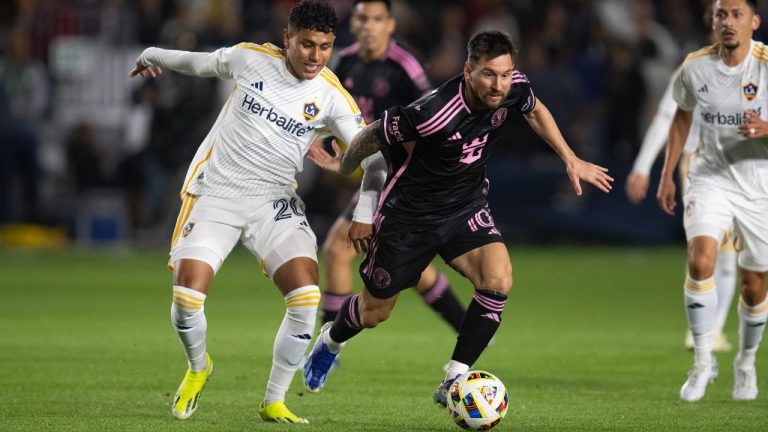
467	70
391	26
755	22
286	37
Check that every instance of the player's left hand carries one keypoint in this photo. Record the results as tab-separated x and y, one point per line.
323	159
589	172
752	126
144	70
359	235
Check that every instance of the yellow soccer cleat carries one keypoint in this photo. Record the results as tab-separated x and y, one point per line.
278	412
188	394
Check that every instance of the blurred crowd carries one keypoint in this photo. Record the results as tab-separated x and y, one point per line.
77	135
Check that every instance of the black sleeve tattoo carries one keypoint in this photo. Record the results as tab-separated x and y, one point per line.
365	143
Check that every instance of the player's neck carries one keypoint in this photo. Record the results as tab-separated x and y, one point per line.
734	56
374	53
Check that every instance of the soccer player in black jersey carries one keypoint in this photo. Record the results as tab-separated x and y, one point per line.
378	73
434	200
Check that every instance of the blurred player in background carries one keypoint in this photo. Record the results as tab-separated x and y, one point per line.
434	201
240	188
637	188
379	74
728	187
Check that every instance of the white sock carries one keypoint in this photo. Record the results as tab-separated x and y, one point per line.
725	282
332	345
751	327
455	368
292	340
701	311
188	318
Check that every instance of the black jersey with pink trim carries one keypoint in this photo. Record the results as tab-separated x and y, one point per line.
395	78
437	148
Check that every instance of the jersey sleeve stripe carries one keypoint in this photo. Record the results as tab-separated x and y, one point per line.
706	51
407	61
436	118
386	134
334	81
210	150
264	49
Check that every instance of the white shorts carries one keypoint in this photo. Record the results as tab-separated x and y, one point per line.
208	228
710	211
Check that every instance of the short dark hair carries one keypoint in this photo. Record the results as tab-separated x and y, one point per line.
490	44
316	15
750	3
387	3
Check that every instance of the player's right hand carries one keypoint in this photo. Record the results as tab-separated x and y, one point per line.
636	187
359	235
666	195
144	70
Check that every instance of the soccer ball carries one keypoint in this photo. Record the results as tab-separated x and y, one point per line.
477	400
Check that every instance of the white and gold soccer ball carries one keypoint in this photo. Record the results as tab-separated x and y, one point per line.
477	400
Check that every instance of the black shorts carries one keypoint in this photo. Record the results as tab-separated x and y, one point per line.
400	251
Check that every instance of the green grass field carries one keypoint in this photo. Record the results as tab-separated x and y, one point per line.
591	340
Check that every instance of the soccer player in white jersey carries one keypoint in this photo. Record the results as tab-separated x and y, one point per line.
728	186
240	187
637	188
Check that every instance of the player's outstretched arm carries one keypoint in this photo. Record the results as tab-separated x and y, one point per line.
678	133
153	61
543	123
364	144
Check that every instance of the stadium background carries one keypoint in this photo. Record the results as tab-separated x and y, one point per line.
592	337
91	157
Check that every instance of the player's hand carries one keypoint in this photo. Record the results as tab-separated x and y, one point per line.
359	235
636	187
144	70
322	158
666	195
596	175
753	126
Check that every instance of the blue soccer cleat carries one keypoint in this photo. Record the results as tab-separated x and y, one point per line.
441	394
319	363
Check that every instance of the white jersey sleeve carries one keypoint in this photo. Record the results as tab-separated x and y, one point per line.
682	92
223	63
657	133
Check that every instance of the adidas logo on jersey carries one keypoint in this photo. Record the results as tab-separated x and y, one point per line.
704	89
259	85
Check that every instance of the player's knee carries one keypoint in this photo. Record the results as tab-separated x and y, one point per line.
337	251
752	284
501	282
701	266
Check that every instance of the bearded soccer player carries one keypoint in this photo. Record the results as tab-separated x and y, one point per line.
378	73
434	200
240	188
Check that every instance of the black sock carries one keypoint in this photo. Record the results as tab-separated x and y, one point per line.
442	300
331	303
347	322
480	323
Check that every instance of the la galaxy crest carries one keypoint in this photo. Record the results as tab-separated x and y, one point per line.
311	110
187	229
750	91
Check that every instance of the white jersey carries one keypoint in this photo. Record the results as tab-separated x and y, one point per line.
258	142
724	158
658	132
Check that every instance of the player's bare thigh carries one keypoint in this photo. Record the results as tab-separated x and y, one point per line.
193	274
295	273
487	267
